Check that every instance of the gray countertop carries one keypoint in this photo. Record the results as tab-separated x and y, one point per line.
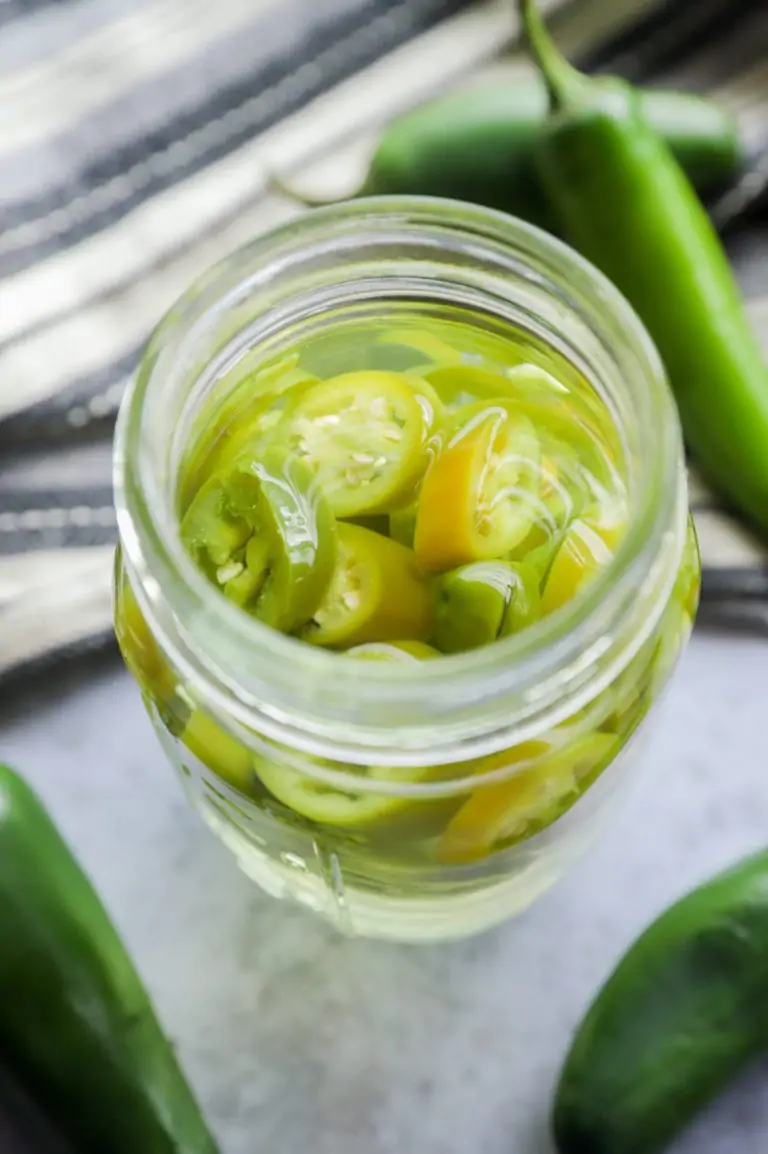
297	1040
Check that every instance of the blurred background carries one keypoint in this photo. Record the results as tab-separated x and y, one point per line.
137	142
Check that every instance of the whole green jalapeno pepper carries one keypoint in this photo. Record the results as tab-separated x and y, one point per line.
76	1025
478	146
683	1012
623	201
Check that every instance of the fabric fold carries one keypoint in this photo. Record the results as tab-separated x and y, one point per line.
138	149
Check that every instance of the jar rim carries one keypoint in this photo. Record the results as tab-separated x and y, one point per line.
312	699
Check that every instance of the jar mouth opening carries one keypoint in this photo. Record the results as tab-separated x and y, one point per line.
281	686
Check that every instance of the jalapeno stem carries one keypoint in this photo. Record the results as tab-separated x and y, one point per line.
563	82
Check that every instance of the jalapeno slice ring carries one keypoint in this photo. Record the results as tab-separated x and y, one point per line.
219	751
376	593
479	497
503	810
266	537
403	652
316	800
365	438
587	546
470	605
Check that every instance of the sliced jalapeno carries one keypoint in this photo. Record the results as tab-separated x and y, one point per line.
253	409
141	653
211	532
376	522
426	344
318	801
401	651
479	497
265	536
219	751
587	547
376	593
530	798
402	525
540	557
365	437
470	605
479	603
463	383
524	601
688	584
574	439
562	496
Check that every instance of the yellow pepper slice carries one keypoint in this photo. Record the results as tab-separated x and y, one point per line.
477	499
588	546
503	810
376	593
141	653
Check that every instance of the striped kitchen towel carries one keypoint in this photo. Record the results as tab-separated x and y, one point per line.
137	139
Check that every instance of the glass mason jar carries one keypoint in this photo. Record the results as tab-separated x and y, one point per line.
412	801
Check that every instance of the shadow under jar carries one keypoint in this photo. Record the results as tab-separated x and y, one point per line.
414	799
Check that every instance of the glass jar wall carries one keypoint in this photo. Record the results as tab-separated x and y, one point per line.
414	799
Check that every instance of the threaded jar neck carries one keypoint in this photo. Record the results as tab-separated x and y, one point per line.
356	257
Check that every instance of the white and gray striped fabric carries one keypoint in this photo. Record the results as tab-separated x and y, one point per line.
137	139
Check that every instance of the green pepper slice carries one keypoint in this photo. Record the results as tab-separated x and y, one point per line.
218	750
404	652
246	427
402	525
580	451
479	603
424	343
524	600
265	537
376	593
465	384
209	529
365	436
320	802
252	408
470	605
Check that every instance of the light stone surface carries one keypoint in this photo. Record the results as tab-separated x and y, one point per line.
297	1040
